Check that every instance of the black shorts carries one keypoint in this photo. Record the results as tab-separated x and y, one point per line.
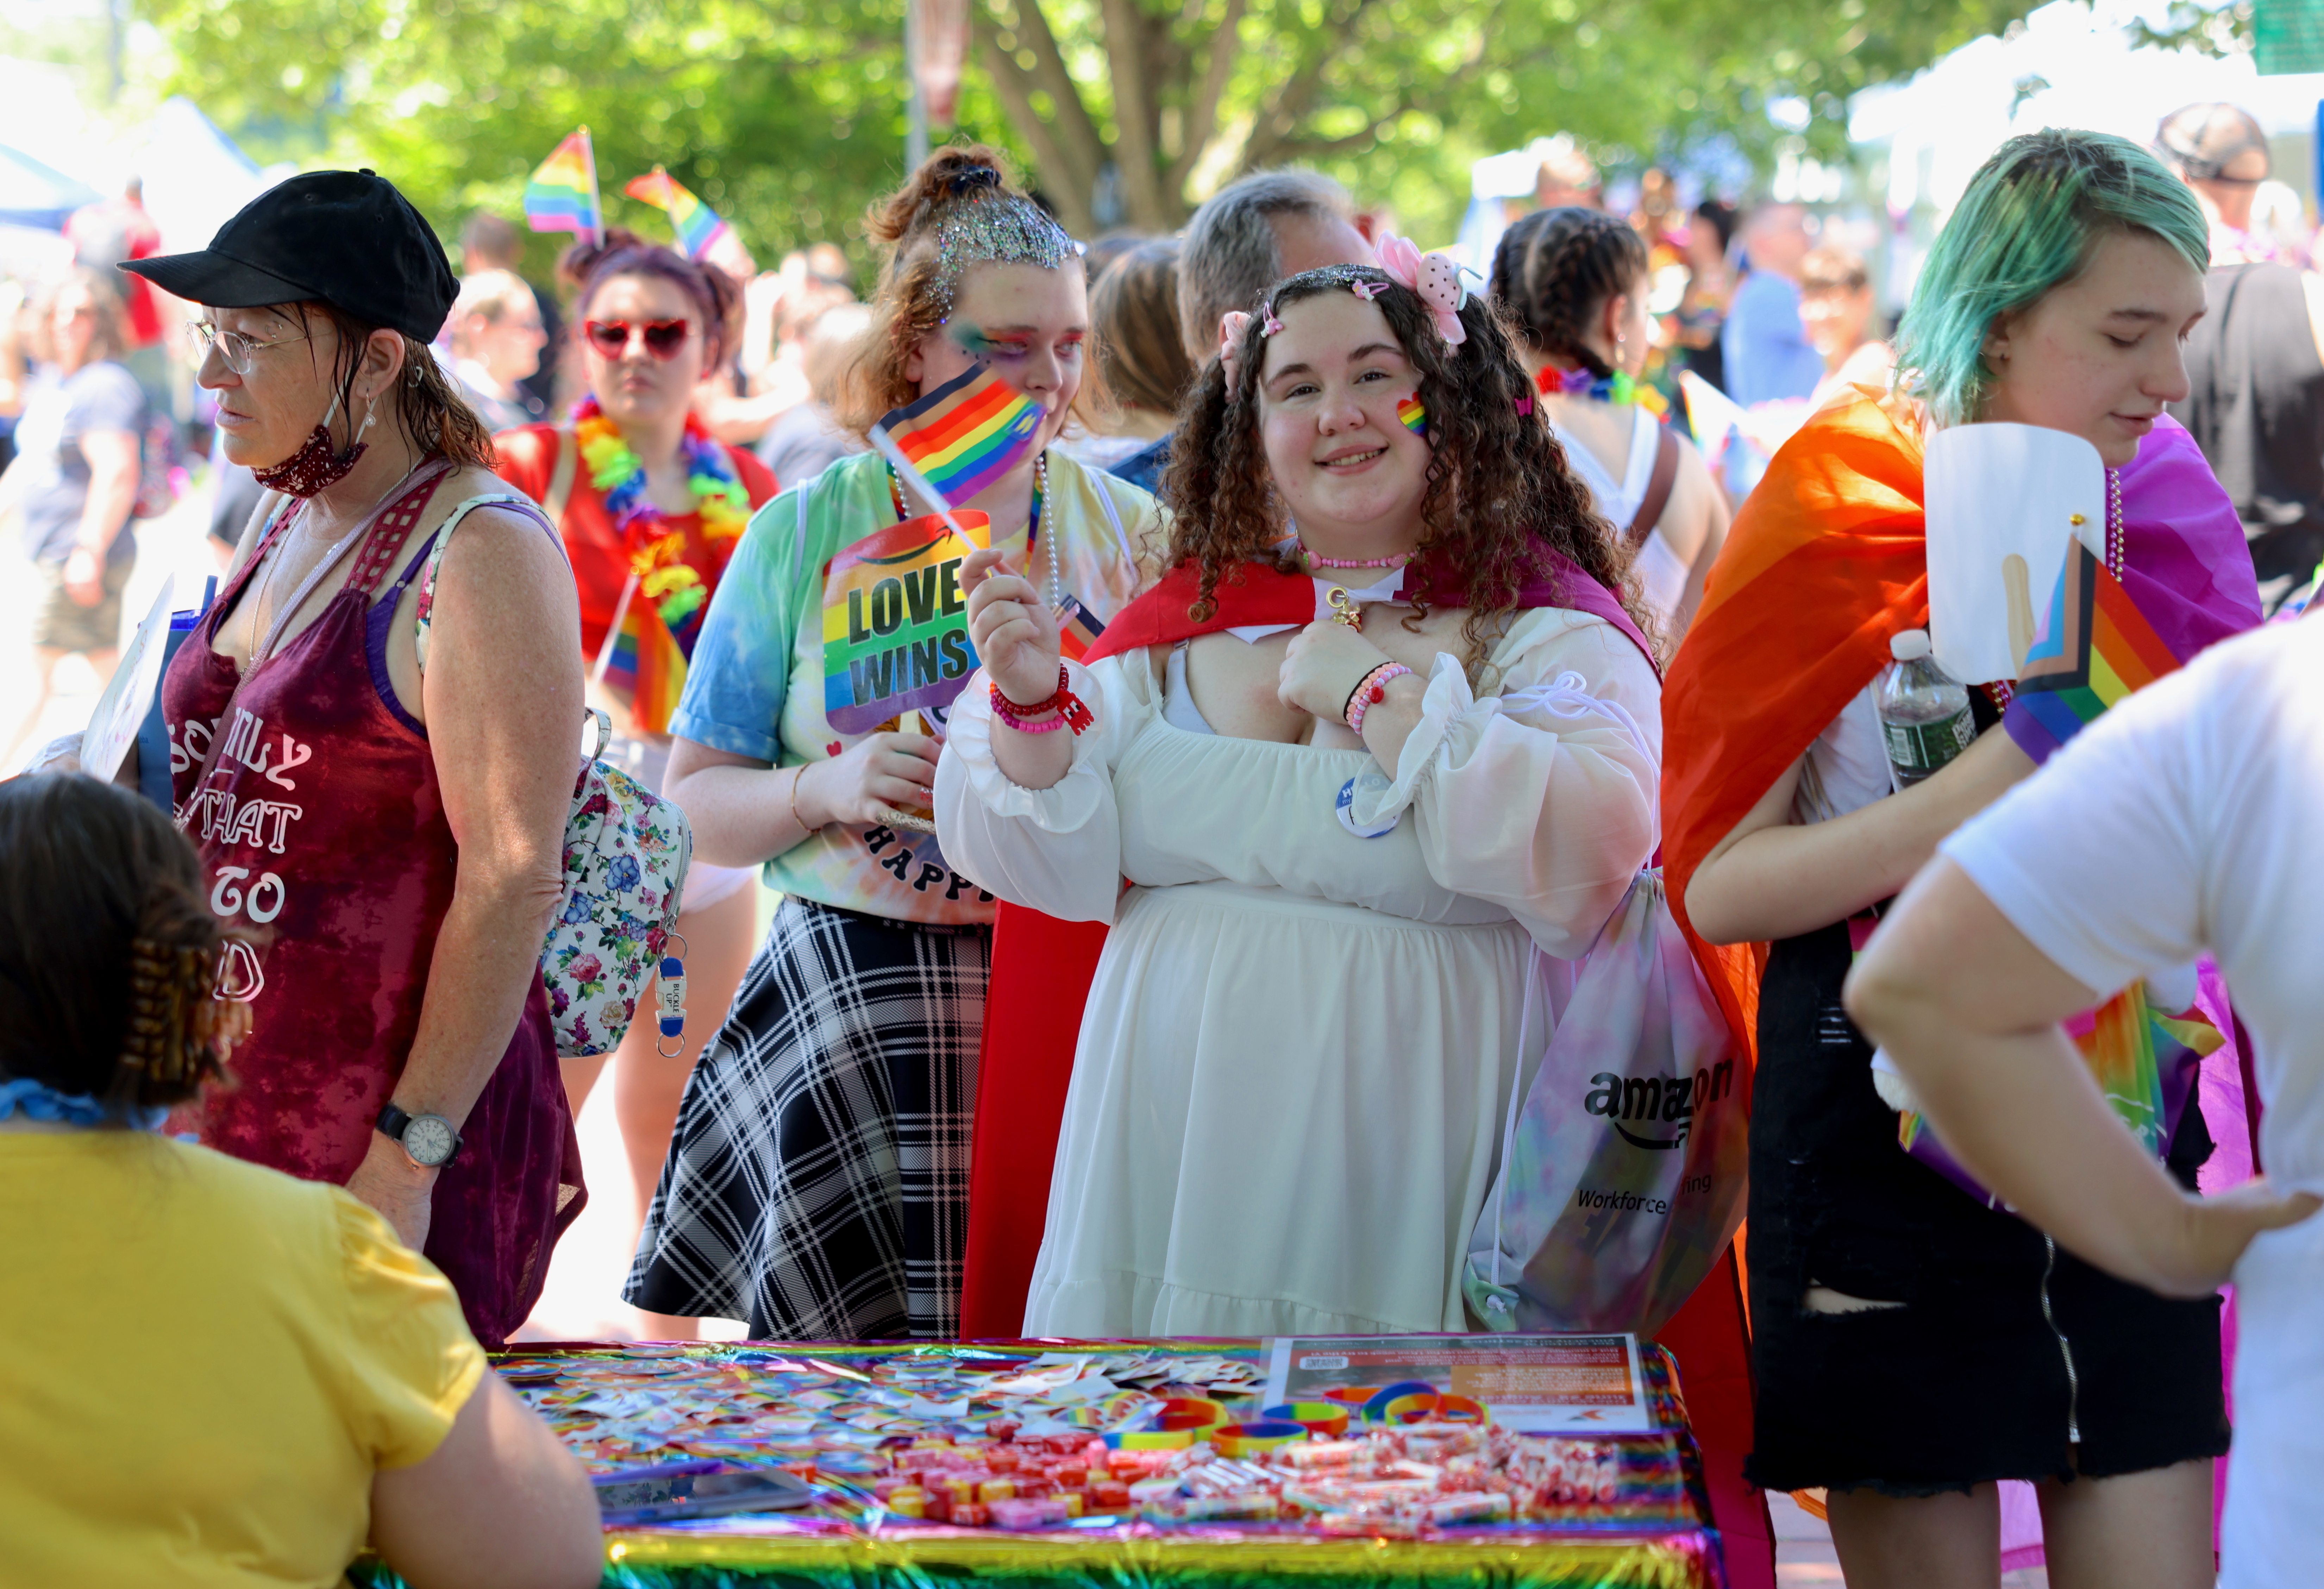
1969	1380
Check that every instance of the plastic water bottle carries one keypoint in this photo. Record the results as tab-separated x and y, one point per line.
1924	716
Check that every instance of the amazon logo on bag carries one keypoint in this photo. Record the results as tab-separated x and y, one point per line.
1667	1100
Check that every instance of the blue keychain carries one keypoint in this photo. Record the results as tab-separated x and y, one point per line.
670	997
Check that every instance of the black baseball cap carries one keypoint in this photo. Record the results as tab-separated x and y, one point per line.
346	237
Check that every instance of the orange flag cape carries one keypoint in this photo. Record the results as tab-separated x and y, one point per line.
1827	560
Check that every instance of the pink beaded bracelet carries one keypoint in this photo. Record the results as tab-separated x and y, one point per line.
1071	712
1371	691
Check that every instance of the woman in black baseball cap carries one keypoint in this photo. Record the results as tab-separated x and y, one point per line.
374	739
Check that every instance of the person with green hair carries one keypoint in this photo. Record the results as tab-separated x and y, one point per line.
1913	1344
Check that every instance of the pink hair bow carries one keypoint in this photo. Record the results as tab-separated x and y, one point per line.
1433	276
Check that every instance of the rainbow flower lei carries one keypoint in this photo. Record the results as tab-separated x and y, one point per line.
676	588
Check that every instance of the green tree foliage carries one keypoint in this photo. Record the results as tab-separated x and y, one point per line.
787	115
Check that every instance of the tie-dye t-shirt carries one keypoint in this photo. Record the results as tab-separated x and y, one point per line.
764	633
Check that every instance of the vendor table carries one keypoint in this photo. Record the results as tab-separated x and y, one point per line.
881	1431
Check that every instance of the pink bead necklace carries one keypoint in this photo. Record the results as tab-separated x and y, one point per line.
1312	561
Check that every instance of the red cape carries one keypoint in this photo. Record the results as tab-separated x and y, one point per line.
1041	974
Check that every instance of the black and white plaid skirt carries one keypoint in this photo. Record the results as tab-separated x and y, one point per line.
817	1184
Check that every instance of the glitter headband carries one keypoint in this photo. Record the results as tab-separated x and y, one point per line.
1000	228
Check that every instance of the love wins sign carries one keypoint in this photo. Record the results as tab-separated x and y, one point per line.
895	623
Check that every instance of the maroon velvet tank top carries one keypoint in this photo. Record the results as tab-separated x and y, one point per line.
321	828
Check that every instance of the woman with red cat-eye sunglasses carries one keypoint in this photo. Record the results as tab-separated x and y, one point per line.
638	487
612	339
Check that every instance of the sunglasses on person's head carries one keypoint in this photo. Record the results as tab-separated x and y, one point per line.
662	338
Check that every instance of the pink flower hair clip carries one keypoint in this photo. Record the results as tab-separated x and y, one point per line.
1270	325
1367	291
1436	277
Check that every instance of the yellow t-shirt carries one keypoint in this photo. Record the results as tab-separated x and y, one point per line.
202	1365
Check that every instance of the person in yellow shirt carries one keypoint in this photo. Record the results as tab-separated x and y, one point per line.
210	1374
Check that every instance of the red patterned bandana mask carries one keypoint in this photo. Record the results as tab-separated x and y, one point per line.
318	465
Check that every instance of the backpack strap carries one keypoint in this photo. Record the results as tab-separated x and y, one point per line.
1658	489
515	501
560	475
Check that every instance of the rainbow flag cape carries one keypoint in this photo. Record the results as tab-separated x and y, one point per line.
645	668
2095	649
562	196
967	433
2145	1059
697	224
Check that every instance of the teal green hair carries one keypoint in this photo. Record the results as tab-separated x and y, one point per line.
2028	224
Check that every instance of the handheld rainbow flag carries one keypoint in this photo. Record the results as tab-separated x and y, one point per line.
1077	630
641	663
966	434
697	223
562	196
2095	649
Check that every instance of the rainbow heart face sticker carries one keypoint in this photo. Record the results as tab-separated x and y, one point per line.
1414	416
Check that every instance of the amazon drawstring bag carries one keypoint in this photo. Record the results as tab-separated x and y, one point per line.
1623	1165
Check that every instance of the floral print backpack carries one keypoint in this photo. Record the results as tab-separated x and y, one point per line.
626	851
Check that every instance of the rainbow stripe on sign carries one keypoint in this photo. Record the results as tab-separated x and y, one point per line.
697	223
967	433
562	196
1414	416
2096	648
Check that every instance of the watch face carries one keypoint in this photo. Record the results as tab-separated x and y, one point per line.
429	1139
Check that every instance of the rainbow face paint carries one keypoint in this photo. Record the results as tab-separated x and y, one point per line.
1414	416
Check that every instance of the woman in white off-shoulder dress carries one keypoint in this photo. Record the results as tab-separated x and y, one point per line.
1295	1059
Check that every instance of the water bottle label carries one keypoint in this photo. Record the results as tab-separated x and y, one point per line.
1923	748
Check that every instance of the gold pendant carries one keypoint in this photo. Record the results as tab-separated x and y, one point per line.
1343	611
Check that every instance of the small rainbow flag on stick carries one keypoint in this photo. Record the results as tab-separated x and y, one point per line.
2096	648
562	196
641	663
966	434
697	224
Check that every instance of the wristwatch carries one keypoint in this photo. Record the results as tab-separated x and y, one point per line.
429	1139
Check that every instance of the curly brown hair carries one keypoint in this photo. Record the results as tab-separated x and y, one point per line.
1500	497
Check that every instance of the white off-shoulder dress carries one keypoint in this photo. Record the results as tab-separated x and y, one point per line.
1286	1102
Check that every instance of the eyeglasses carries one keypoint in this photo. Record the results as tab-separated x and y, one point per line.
239	352
663	338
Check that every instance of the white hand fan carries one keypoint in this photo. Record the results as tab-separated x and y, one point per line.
2004	501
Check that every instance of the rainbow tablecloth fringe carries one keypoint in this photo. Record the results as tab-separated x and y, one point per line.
1654	1534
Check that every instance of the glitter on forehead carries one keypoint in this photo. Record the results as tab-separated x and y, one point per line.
1004	230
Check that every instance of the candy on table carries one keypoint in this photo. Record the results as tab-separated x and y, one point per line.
1029	1514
